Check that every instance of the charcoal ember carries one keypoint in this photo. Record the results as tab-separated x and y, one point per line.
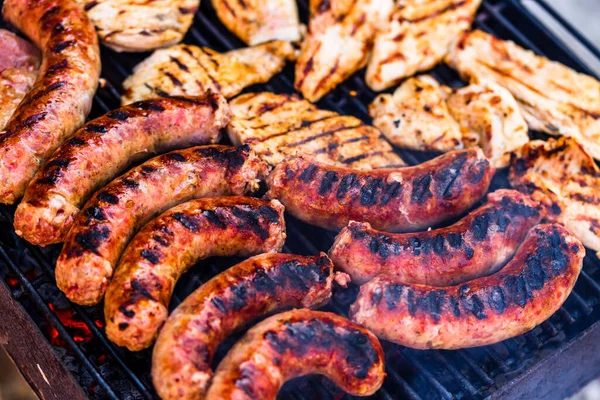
52	295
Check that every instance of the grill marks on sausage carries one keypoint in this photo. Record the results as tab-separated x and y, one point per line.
233	158
421	190
446	177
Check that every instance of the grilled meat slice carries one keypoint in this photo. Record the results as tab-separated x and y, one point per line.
417	37
553	98
259	21
491	118
416	116
279	125
134	25
19	65
564	178
340	37
186	70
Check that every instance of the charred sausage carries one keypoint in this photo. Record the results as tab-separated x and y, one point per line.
405	199
258	286
111	217
475	246
61	97
135	306
522	295
296	343
105	147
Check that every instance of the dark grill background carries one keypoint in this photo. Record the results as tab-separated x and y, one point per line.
105	371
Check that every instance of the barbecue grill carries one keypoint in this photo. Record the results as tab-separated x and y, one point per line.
62	350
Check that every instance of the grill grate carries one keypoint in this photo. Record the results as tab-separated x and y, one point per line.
106	371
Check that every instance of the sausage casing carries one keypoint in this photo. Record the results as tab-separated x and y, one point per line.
112	216
475	246
296	343
61	97
135	306
105	147
404	199
181	362
522	295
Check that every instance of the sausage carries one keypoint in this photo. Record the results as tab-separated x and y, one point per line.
296	343
135	306
105	147
404	199
477	245
514	300
112	216
181	361
61	97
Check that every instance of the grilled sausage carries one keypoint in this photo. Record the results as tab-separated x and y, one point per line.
111	217
296	343
405	199
61	97
258	286
476	246
105	147
522	295
135	306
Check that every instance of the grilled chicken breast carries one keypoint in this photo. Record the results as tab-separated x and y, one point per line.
563	176
140	25
416	116
259	21
190	71
340	37
417	37
279	125
491	118
553	98
19	65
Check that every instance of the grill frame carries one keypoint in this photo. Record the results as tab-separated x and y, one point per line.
553	360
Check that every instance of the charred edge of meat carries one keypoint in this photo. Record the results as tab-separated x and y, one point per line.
89	240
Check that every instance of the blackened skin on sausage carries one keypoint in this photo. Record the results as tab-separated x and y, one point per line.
297	343
514	300
476	246
393	200
256	287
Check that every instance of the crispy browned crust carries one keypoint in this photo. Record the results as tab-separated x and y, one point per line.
135	306
96	154
404	199
297	343
181	362
522	295
62	95
477	245
111	217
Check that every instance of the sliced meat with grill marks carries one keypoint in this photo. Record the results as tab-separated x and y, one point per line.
340	38
260	21
279	125
187	70
417	37
140	25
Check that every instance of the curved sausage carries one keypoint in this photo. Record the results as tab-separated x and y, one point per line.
297	343
255	287
477	245
105	147
61	97
135	306
404	199
522	295
112	216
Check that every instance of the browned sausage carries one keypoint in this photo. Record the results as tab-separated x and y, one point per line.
105	147
135	306
258	286
297	343
475	246
61	97
113	215
522	295
405	199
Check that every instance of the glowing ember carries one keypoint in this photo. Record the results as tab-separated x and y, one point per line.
80	331
12	282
